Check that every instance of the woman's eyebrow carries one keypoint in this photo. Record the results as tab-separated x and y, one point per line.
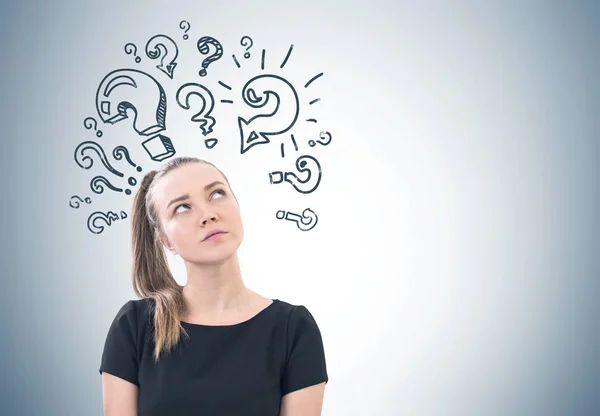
210	185
186	196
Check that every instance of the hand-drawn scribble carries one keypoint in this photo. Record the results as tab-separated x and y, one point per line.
287	56
306	222
203	48
246	41
311	120
86	162
210	143
185	92
90	123
236	61
98	183
124	89
293	141
108	217
165	48
285	103
312	143
185	25
75	201
121	151
313	79
130	48
308	84
304	186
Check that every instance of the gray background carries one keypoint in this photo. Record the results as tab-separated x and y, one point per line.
454	270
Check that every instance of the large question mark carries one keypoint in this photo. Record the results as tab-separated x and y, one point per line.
107	217
306	222
130	48
161	45
203	48
304	186
312	143
248	41
86	162
185	92
125	89
90	123
285	103
184	24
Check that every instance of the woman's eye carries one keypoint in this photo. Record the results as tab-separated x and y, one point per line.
220	191
180	206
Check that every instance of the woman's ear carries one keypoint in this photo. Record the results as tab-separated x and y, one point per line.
165	242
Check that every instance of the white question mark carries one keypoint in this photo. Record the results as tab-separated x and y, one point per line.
125	89
304	186
248	41
312	143
186	26
306	222
130	48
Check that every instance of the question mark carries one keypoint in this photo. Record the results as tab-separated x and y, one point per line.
203	48
306	222
301	166
248	39
163	45
203	116
326	133
86	162
121	151
124	89
90	123
107	217
76	199
283	100
186	26
130	48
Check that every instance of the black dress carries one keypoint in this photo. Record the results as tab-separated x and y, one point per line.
239	370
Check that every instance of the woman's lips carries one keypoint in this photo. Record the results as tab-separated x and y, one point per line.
215	236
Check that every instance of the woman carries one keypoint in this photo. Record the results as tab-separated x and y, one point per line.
213	346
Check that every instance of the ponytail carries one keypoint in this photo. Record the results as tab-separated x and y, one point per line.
151	276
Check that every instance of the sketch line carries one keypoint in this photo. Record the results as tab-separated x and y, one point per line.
313	79
287	56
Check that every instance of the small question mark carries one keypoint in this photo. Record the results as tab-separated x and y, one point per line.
86	162
90	123
161	45
306	222
121	151
130	48
76	199
186	26
107	217
203	48
248	42
301	165
326	133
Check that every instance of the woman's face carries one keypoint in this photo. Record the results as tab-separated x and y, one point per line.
191	201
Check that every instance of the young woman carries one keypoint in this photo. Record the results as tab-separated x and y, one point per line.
213	346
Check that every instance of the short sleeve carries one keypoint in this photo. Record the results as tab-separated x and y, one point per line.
119	357
305	365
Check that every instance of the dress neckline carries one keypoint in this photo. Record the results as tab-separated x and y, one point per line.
261	312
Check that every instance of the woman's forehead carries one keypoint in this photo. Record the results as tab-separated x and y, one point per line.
188	178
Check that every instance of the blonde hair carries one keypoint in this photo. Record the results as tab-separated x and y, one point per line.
151	275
